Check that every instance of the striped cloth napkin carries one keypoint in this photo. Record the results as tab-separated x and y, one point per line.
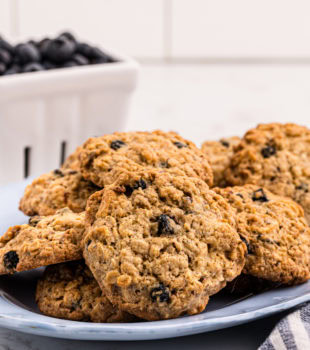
291	333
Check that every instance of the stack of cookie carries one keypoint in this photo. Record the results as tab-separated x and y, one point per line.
132	228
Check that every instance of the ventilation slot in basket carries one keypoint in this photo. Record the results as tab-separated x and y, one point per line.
27	151
63	152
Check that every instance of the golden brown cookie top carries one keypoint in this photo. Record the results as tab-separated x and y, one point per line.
58	189
277	157
44	241
102	158
70	291
160	245
275	231
219	154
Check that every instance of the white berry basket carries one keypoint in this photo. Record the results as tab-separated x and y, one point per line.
45	115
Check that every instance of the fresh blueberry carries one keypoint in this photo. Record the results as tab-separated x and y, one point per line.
6	46
80	59
32	67
69	64
27	53
14	69
98	56
60	50
42	46
94	54
68	36
84	49
32	42
16	60
105	59
2	68
48	65
5	57
97	53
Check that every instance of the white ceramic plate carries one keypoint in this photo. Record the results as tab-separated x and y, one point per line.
19	312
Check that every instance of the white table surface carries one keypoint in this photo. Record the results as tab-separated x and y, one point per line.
212	101
202	102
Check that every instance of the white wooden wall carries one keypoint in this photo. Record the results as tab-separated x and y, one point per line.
177	30
268	42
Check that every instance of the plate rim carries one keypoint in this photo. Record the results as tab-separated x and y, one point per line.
25	321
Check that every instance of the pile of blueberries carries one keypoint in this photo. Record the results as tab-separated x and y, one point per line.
61	52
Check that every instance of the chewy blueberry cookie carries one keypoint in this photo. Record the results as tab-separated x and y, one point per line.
69	291
219	154
275	232
135	151
159	245
277	157
44	241
58	189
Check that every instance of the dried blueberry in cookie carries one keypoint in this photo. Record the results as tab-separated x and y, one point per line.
116	144
160	294
259	195
180	144
139	184
268	151
248	247
58	172
10	260
34	220
164	226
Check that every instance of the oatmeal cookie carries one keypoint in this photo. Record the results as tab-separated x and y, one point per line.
69	291
58	189
44	241
102	158
275	232
159	245
219	154
277	157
